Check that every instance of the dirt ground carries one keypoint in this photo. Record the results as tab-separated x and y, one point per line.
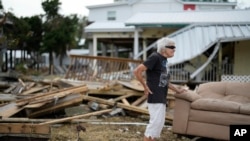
111	129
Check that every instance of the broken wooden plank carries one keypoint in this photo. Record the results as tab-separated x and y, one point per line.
37	105
18	89
51	95
21	82
30	120
60	104
30	85
143	104
112	103
134	84
125	101
35	89
123	96
120	92
7	97
76	117
139	100
121	105
11	88
23	128
9	110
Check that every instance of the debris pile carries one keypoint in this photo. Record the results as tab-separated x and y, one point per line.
25	103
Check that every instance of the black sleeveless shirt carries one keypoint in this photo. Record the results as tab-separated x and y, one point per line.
157	78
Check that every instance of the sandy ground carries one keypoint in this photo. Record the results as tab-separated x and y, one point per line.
110	129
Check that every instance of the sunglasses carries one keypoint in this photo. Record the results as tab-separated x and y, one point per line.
170	47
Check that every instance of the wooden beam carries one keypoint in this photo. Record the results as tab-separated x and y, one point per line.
75	117
33	90
23	128
139	100
121	105
122	97
30	120
121	92
73	99
9	110
112	103
125	101
51	95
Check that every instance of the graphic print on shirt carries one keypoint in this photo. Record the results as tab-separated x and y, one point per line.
164	74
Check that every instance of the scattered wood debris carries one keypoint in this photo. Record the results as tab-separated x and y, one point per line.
35	99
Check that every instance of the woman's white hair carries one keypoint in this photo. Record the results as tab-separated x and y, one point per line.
165	41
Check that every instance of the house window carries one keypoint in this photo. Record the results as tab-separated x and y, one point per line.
111	15
189	7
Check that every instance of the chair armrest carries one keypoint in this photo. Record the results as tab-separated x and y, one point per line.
188	95
181	116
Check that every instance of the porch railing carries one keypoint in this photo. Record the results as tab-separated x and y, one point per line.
100	68
213	72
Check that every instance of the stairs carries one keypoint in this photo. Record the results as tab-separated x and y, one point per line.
195	39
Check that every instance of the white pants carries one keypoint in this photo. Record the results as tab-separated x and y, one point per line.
157	113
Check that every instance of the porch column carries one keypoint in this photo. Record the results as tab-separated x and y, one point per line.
116	50
104	49
136	43
93	49
219	73
111	50
199	76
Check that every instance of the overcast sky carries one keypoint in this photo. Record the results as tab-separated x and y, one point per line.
27	8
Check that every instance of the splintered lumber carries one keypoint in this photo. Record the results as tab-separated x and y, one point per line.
4	84
134	84
120	105
125	101
70	100
76	117
9	110
114	93
12	86
24	128
143	104
112	103
51	95
35	89
7	97
123	97
139	100
37	105
30	120
108	86
22	83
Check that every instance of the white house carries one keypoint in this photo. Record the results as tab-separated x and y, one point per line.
201	29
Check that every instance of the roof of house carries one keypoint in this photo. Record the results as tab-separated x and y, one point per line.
109	27
106	5
233	3
132	2
189	17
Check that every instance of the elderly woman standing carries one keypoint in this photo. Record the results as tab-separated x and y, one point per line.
156	86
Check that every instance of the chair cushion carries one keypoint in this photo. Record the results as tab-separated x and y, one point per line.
212	87
237	98
237	88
